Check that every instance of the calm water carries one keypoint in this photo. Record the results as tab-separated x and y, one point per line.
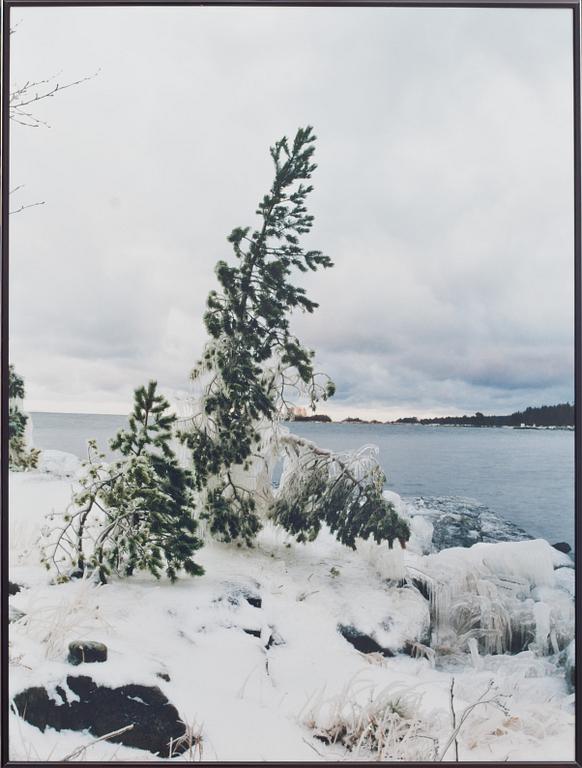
525	476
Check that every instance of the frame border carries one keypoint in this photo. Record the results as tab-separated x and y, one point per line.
7	5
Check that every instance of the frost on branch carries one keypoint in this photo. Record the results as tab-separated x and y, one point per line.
251	367
343	490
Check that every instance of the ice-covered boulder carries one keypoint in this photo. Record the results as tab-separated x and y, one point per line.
507	596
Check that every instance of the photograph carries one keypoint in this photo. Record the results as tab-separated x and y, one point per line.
289	381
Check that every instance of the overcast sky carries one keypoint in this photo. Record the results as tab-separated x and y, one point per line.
444	195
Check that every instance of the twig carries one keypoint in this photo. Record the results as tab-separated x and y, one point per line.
79	751
494	700
24	97
24	207
454	717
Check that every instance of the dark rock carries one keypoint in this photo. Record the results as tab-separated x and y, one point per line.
571	677
163	676
254	600
274	639
569	661
563	546
522	634
86	651
102	710
362	642
13	588
461	522
253	632
422	587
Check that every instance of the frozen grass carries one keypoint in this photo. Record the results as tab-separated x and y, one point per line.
190	746
74	614
371	724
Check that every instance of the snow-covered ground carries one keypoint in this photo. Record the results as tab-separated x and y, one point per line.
451	615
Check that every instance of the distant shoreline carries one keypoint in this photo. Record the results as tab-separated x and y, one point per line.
559	416
465	422
375	423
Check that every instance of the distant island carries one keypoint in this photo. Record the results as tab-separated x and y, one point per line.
561	416
314	417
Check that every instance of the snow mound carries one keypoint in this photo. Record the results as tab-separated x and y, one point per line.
59	463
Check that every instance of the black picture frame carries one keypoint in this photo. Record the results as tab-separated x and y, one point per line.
574	7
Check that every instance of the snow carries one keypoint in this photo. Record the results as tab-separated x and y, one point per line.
256	704
59	463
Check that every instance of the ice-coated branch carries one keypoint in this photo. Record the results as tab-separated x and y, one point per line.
341	490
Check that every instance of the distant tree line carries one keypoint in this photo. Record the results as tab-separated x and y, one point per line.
315	417
561	415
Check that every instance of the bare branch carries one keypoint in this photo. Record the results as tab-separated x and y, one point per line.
34	91
24	207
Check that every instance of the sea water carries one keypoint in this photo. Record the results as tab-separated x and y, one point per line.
523	476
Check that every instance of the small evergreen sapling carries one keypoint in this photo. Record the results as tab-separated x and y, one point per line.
133	514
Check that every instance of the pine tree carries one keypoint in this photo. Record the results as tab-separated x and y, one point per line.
136	513
250	367
20	456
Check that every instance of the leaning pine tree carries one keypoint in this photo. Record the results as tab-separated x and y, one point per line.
252	365
135	513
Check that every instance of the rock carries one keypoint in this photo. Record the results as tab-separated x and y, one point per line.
459	523
102	710
86	651
570	666
274	639
362	642
252	632
421	586
13	588
163	676
254	600
563	546
269	637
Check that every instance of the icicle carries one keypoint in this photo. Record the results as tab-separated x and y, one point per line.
474	651
542	615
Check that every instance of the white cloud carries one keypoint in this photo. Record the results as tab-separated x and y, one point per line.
443	195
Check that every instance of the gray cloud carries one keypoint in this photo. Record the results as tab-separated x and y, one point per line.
443	195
